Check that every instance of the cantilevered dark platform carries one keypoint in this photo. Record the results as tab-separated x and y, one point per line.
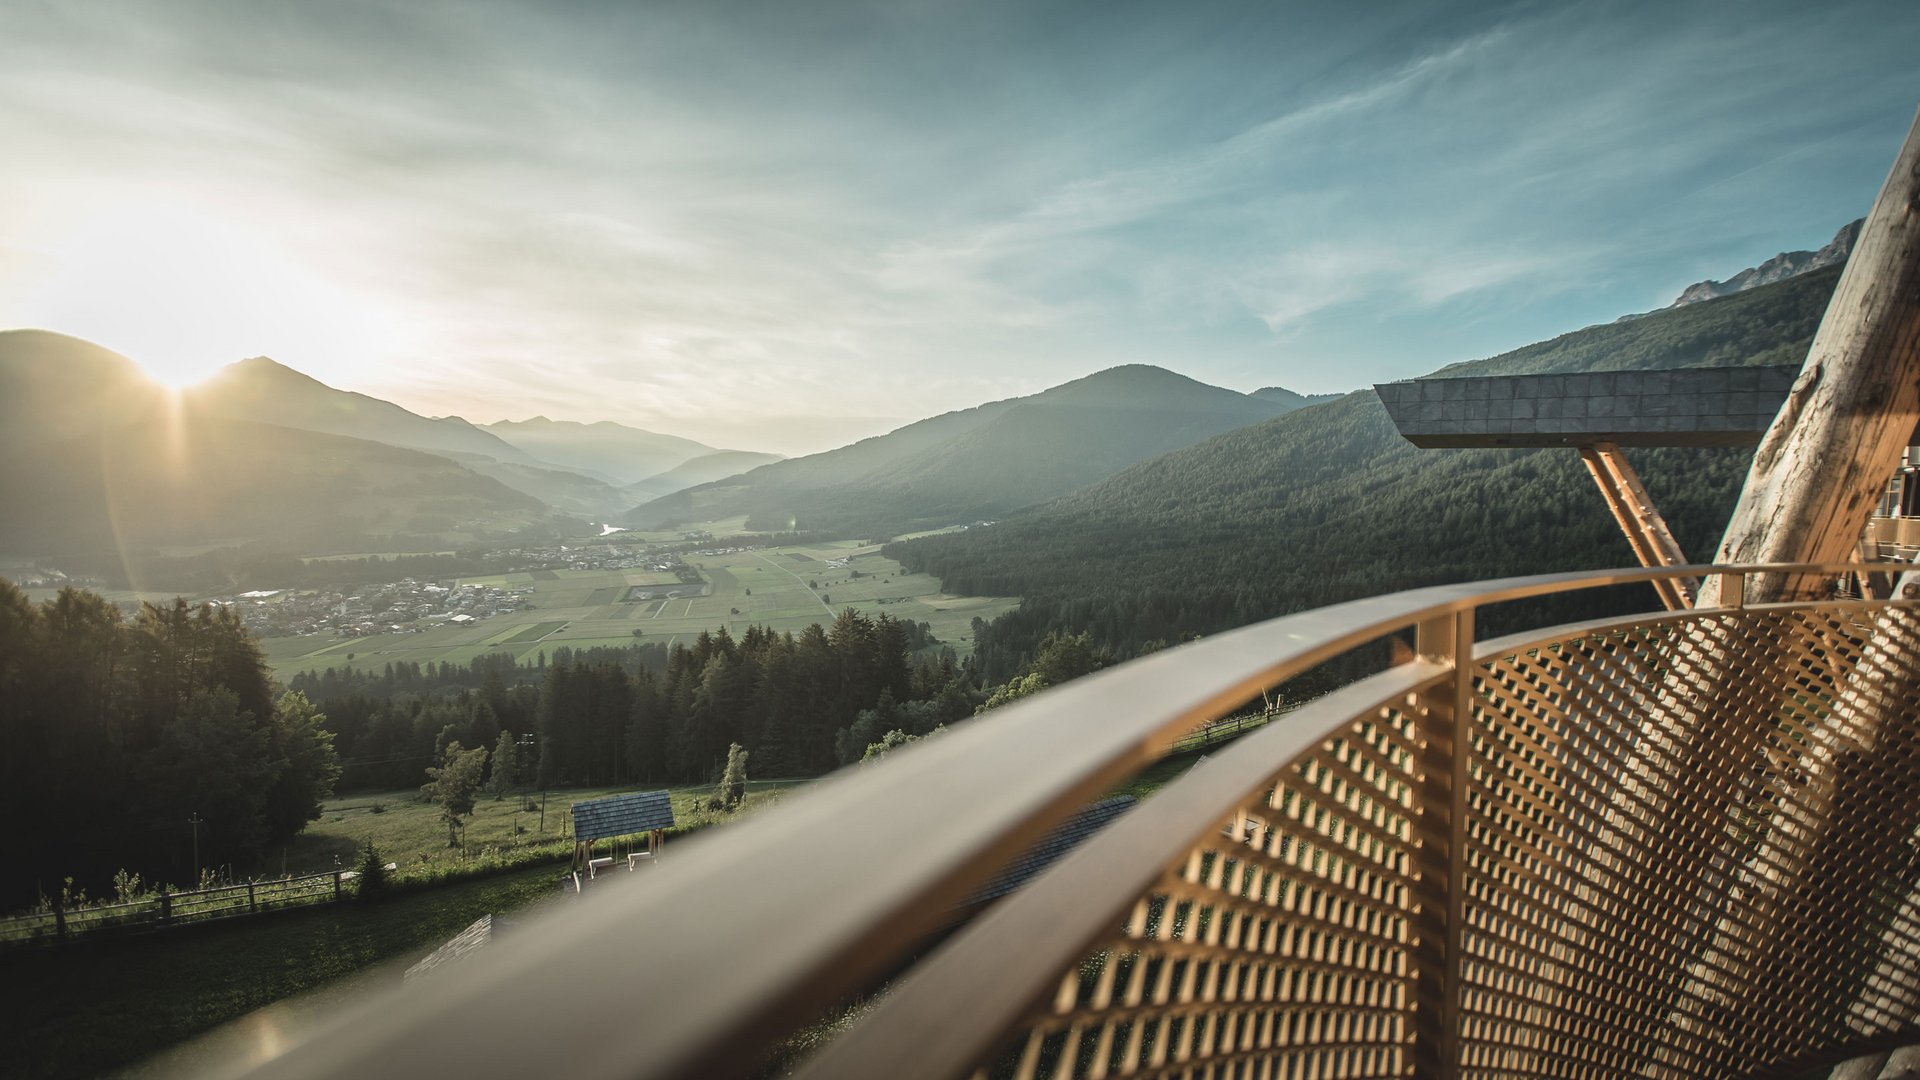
1683	407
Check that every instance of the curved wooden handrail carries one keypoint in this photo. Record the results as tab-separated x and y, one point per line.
695	972
1007	961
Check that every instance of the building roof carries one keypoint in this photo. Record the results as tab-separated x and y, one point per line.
1070	834
622	815
459	947
1723	406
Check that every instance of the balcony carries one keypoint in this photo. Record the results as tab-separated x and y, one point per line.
1677	844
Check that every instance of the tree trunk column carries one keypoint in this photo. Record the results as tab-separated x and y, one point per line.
1821	468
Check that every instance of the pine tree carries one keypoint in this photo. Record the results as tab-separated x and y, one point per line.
506	766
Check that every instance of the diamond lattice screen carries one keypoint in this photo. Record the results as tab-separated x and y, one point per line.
1687	849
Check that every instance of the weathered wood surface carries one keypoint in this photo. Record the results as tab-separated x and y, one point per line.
1819	472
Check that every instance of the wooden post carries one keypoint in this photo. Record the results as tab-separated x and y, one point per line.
251	906
1824	464
59	917
1653	543
1440	834
166	906
336	886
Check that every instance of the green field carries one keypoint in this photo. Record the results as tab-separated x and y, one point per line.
408	831
585	608
532	633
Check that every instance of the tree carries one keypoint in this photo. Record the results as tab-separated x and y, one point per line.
868	726
303	745
1826	459
453	785
893	740
373	874
506	765
733	782
214	762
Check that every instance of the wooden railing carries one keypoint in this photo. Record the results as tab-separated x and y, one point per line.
1675	845
164	908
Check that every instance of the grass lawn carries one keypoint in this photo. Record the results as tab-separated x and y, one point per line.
410	832
89	1008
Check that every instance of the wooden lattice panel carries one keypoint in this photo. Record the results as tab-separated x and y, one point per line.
1688	850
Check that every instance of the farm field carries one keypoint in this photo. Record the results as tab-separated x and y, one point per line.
585	608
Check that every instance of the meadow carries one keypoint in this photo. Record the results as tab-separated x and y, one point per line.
585	608
409	832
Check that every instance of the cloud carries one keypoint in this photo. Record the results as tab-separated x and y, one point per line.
746	215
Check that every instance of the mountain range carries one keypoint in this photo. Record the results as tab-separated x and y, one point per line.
979	463
1092	482
612	452
1329	503
95	456
262	451
1785	265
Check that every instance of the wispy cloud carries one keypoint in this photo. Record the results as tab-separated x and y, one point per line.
721	220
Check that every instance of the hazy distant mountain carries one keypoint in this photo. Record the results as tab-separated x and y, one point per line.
570	491
1283	396
269	392
701	470
94	456
1785	265
615	452
975	463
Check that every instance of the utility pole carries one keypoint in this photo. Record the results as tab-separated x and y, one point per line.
195	821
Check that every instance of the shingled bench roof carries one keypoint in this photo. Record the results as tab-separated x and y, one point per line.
622	815
1070	834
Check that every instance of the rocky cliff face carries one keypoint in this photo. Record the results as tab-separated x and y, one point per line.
1779	268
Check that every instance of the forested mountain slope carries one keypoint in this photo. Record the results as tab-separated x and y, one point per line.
94	457
1292	399
1329	503
977	463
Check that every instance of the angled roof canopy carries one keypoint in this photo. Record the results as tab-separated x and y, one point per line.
622	815
1725	406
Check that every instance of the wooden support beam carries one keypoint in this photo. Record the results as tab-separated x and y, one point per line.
1653	543
1823	466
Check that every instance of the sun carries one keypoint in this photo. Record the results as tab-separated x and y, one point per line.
184	291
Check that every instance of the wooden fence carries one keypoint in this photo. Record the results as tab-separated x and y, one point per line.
167	909
1226	729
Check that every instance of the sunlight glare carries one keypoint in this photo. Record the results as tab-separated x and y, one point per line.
184	292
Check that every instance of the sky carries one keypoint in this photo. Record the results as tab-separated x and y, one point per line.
784	226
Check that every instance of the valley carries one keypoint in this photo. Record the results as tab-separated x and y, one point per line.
847	540
739	587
